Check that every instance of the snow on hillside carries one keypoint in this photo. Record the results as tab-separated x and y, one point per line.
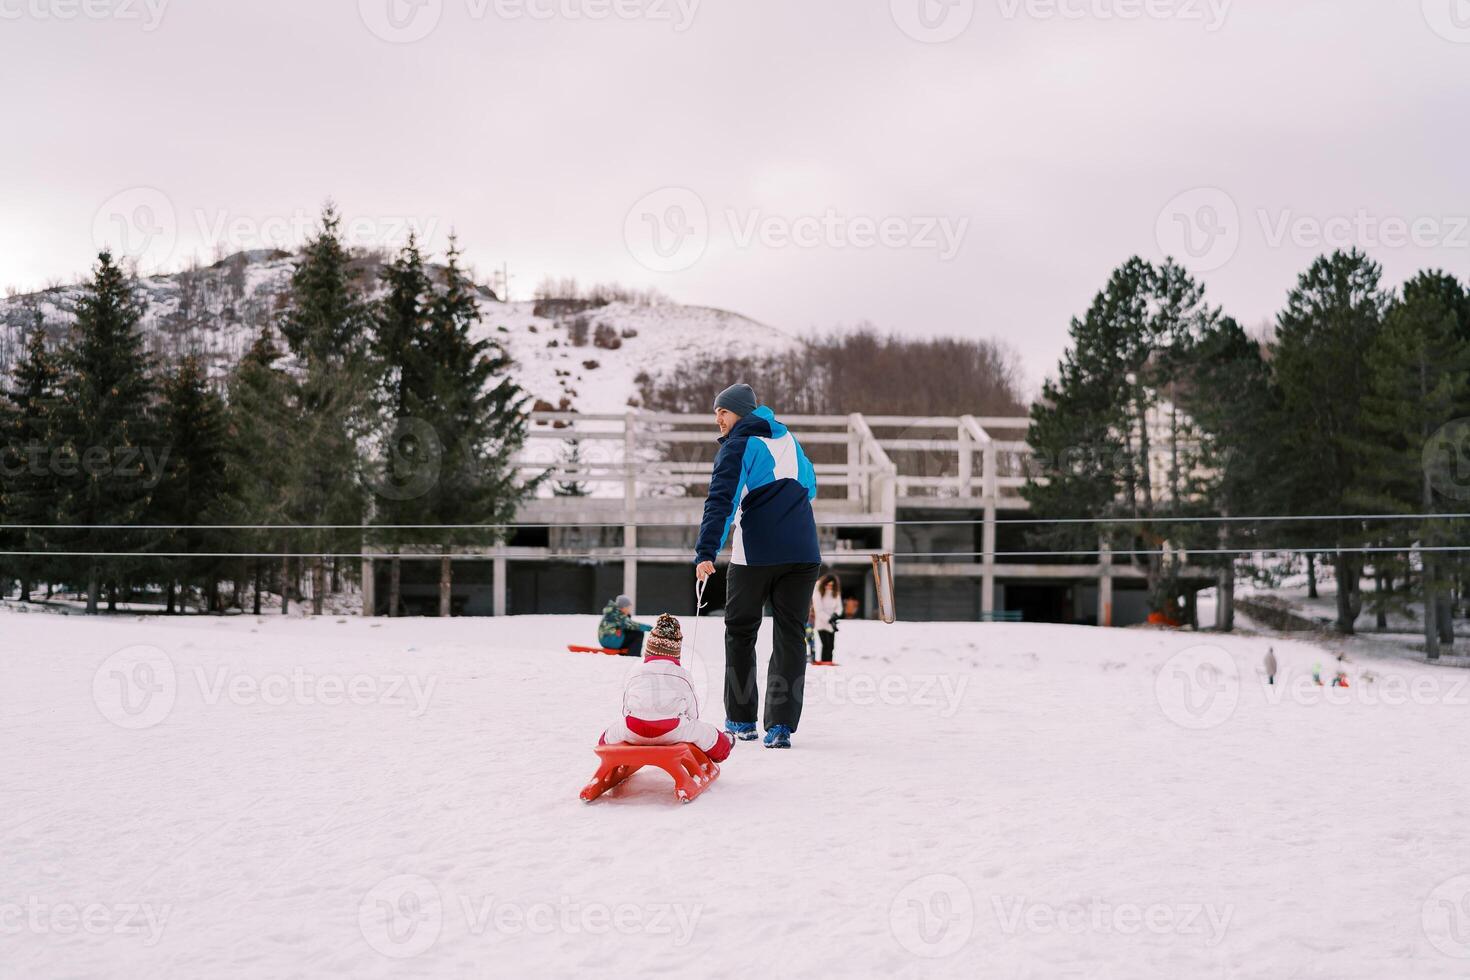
273	797
651	339
217	311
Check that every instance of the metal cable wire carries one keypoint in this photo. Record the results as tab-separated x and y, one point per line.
619	554
685	524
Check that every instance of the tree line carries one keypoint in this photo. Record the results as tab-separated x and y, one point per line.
354	410
1165	416
859	370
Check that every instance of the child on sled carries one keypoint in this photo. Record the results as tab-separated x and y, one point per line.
659	704
619	630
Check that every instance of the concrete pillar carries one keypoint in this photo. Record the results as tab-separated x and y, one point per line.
987	545
500	587
630	576
1105	585
854	462
967	463
369	588
890	514
630	507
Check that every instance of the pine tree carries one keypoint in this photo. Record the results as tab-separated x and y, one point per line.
1332	318
327	322
1419	380
401	321
1229	394
1077	426
329	329
192	428
479	414
571	460
264	465
1093	430
103	433
30	478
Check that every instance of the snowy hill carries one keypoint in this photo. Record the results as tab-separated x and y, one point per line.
215	312
366	798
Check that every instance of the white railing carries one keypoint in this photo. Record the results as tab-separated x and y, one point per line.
955	461
655	458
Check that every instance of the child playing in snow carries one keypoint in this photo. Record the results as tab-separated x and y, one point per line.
659	704
619	630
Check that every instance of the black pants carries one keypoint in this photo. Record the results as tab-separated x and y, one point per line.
632	643
829	640
788	588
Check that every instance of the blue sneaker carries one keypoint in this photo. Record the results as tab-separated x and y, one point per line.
778	737
743	730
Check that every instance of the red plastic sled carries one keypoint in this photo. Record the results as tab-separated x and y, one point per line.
822	663
693	771
610	653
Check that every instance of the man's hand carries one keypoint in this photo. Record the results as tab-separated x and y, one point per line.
704	570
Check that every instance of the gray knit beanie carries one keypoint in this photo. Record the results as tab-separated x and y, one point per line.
738	398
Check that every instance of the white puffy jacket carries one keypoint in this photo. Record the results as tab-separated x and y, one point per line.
661	708
827	606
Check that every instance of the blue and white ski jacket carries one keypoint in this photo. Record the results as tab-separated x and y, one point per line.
760	497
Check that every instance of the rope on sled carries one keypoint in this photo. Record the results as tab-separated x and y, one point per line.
699	585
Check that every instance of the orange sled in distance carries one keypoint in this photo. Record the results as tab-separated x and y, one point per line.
610	653
693	771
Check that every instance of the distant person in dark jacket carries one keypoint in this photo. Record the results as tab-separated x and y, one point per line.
619	630
759	501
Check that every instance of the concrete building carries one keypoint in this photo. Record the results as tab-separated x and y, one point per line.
934	491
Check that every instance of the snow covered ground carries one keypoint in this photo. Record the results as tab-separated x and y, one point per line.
278	797
1403	637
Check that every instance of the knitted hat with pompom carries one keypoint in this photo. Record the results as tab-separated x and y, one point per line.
666	639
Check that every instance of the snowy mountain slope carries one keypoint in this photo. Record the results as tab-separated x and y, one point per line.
365	798
216	312
651	339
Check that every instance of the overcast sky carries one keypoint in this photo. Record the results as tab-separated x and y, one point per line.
965	167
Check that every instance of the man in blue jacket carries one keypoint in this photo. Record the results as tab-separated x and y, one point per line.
760	500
